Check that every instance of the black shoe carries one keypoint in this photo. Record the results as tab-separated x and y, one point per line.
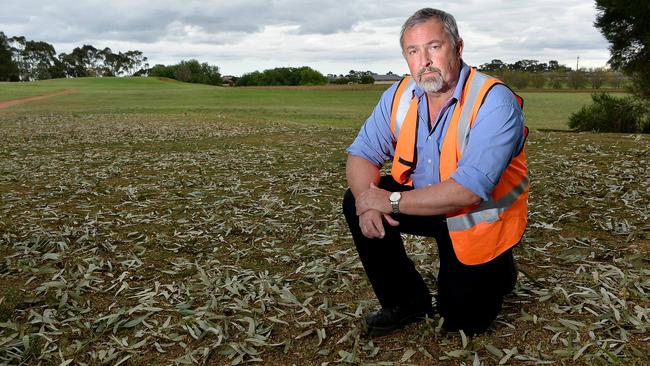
387	320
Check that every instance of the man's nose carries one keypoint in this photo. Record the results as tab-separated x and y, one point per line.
425	60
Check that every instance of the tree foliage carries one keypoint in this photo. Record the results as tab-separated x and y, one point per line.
283	76
355	77
24	60
189	71
612	114
498	67
597	77
8	68
577	79
624	23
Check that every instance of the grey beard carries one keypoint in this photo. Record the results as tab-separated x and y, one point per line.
431	85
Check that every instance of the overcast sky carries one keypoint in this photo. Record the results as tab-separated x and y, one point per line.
329	36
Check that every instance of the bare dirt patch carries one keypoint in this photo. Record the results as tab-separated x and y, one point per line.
13	102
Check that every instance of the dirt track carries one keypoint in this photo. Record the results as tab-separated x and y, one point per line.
12	102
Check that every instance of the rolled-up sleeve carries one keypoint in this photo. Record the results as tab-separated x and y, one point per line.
495	138
375	139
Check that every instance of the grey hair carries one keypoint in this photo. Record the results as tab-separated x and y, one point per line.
426	14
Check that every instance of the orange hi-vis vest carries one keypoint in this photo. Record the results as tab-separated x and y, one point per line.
481	232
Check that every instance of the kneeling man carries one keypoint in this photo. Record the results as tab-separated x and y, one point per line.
456	140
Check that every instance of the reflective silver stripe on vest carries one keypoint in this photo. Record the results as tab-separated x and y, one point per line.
403	107
488	211
466	113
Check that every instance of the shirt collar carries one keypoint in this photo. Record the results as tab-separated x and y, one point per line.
462	77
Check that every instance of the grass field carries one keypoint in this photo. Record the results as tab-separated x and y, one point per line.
333	106
147	222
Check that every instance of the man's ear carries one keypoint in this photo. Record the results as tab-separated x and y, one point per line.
459	48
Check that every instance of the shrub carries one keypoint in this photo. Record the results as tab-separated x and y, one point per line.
283	76
518	79
538	80
367	79
611	114
557	79
577	79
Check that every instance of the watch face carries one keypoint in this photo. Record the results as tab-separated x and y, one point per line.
395	196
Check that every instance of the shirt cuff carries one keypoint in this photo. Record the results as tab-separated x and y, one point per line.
474	180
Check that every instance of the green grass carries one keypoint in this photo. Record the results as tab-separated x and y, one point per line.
334	106
148	95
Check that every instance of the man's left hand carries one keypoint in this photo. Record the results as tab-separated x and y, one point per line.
374	198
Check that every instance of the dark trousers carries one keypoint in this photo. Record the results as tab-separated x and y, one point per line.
469	296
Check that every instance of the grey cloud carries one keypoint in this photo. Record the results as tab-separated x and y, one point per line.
147	21
526	29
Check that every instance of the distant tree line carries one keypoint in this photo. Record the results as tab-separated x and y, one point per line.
26	60
532	73
497	65
190	71
282	76
353	77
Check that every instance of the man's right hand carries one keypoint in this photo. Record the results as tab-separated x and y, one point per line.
371	223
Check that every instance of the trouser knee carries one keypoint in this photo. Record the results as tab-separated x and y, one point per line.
471	320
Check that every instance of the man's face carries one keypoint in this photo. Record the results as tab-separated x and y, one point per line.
433	59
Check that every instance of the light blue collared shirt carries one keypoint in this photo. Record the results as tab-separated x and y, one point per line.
497	136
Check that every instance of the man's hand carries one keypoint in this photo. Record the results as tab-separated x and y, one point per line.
371	223
374	198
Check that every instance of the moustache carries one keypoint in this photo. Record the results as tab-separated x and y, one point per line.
428	69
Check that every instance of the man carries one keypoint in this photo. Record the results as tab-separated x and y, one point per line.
456	138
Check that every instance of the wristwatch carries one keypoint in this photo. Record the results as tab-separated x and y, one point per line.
394	199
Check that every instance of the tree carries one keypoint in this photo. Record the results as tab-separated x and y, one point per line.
597	77
625	25
8	68
190	71
525	65
39	60
211	75
183	73
367	79
134	61
17	46
160	70
72	64
114	63
577	79
553	65
283	76
495	65
83	61
309	76
91	58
